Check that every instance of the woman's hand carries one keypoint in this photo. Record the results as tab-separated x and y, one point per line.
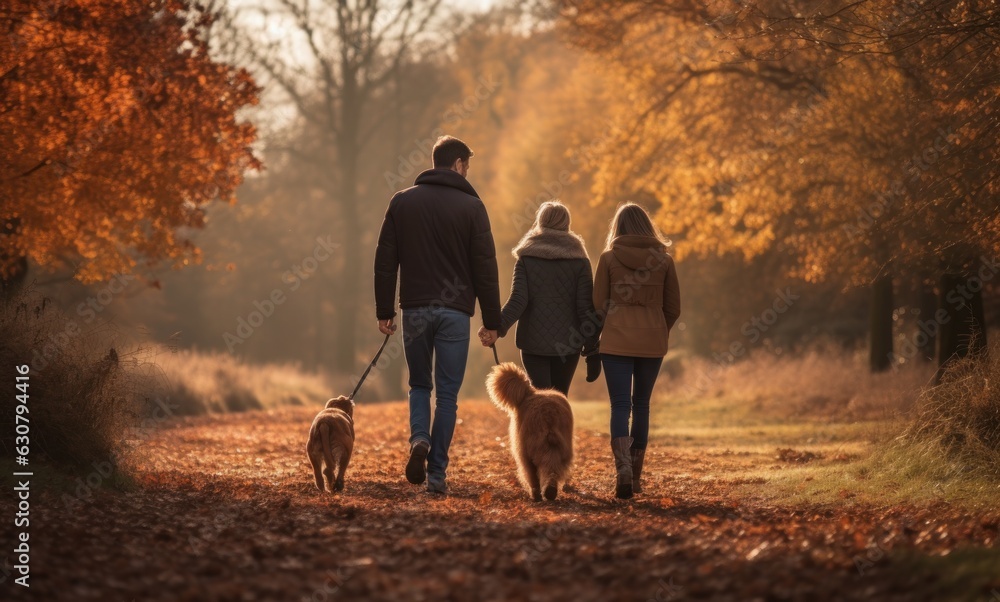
593	367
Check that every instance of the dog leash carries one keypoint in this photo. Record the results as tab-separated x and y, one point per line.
371	365
496	358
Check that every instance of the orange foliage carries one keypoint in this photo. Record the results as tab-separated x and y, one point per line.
116	128
842	141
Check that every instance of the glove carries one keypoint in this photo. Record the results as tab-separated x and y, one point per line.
593	367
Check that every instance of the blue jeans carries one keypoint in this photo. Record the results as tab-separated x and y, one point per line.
630	385
428	331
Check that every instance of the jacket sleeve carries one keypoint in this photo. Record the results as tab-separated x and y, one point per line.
602	288
386	268
518	300
485	278
671	296
586	315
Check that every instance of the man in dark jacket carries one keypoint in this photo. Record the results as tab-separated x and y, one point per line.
436	235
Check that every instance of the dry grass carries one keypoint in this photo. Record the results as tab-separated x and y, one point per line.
82	397
818	384
960	417
199	383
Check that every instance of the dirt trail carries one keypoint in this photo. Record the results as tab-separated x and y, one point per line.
227	511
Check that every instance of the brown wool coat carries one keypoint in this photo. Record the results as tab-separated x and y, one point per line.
637	295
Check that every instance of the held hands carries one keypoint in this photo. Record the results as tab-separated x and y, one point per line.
386	326
487	337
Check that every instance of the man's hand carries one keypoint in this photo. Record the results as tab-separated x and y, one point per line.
386	326
487	337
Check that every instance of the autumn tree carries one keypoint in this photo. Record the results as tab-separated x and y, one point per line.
331	61
842	136
117	128
946	55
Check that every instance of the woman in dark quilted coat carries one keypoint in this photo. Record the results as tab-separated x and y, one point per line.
552	302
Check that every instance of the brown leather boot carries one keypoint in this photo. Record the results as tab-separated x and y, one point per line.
638	455
621	447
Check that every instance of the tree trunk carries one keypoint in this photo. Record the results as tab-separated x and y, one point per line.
963	332
347	290
393	373
13	281
927	304
880	324
13	270
320	355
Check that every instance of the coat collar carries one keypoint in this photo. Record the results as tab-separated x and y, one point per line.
548	243
446	177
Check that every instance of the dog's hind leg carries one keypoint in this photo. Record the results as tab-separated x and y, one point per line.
551	483
324	435
316	459
331	466
531	475
343	460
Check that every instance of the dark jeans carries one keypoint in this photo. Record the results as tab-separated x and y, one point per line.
630	385
445	332
550	371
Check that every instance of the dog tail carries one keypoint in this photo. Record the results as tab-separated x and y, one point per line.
324	435
508	386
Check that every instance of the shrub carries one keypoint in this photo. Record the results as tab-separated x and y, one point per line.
961	415
82	398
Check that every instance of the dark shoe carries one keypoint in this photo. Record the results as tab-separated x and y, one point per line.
416	467
437	485
621	448
638	456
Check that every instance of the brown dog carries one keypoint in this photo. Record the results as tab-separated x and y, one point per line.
331	438
541	429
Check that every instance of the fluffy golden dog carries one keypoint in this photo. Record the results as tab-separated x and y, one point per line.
331	439
541	429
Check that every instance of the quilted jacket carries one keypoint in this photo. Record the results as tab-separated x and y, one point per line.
551	299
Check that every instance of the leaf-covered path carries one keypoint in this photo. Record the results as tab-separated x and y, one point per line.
226	510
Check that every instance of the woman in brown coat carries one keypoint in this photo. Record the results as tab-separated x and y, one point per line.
637	296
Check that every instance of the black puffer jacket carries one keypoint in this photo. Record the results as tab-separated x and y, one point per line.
552	296
436	236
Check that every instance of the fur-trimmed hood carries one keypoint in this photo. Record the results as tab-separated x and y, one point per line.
549	243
